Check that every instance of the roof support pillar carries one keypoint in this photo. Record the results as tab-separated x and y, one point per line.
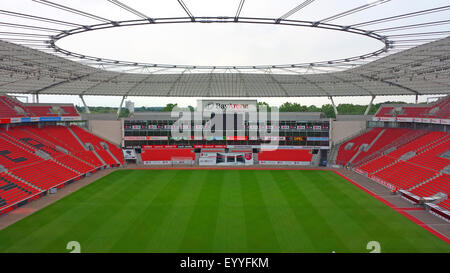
334	105
369	106
85	105
417	98
36	98
120	107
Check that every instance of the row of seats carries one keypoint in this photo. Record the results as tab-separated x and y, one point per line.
13	156
167	154
445	204
430	157
61	136
404	175
45	174
427	148
7	110
13	190
66	160
387	137
440	109
33	141
438	184
377	164
285	155
8	106
345	152
420	174
74	163
96	141
418	144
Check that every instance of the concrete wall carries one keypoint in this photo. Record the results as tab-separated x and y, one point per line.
110	130
343	129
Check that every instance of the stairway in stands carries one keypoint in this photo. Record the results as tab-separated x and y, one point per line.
416	166
34	160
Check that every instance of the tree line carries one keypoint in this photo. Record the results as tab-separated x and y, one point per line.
327	109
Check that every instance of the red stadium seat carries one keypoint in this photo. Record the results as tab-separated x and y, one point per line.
286	155
156	154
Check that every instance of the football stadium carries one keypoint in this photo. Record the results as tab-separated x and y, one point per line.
229	174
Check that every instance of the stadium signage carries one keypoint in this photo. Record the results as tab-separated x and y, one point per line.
298	163
146	138
317	138
227	105
145	147
210	146
225	159
36	119
415	120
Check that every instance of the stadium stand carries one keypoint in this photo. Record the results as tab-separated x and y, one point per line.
377	164
11	107
97	142
7	109
445	204
34	160
416	162
285	155
425	153
45	174
61	136
12	155
439	109
369	143
349	148
416	166
156	154
404	175
13	191
429	156
438	184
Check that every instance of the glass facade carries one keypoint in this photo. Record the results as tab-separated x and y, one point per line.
291	132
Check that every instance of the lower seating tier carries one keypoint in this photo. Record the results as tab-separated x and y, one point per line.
45	174
167	154
404	175
436	185
13	191
286	155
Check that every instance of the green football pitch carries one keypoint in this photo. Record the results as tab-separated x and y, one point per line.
219	211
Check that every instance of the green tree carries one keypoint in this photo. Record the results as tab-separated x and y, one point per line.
292	107
169	107
262	104
328	110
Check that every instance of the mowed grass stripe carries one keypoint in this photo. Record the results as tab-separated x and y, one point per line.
171	231
231	229
59	217
141	190
372	216
148	220
358	217
291	235
200	231
311	218
218	211
344	210
261	236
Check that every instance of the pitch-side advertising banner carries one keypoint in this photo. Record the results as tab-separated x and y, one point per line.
129	154
225	159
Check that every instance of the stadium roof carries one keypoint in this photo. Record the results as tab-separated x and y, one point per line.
415	62
420	70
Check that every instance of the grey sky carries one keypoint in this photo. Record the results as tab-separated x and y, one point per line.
222	44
